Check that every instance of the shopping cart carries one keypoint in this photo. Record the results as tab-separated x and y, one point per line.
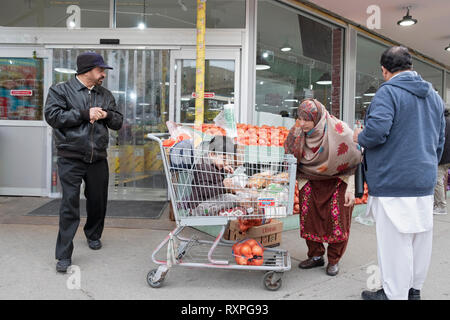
261	186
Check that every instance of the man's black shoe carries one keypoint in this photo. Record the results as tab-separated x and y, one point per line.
94	244
63	264
413	294
374	295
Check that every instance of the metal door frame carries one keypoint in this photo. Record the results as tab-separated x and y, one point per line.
45	54
210	54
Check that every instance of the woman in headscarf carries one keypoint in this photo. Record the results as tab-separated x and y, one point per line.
326	161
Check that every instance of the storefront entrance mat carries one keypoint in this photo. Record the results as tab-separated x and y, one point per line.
116	209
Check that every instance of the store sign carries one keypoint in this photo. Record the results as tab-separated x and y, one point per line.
205	95
21	93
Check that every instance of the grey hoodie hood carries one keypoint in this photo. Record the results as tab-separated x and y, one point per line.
412	82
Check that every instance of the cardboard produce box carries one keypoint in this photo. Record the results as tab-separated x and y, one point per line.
269	235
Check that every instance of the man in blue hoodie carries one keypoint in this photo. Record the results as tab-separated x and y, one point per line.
403	141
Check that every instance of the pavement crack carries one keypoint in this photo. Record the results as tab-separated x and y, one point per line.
88	294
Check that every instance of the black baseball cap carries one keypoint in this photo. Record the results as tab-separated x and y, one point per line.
88	61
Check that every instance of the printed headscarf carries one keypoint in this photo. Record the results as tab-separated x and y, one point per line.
327	149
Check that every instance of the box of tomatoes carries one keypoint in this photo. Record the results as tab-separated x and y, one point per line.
269	235
258	143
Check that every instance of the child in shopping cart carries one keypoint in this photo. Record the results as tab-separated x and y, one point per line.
211	189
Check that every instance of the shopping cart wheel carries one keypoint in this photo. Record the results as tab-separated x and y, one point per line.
272	280
151	282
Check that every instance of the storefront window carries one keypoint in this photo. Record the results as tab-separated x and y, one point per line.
368	74
219	89
430	74
179	13
297	58
21	88
50	13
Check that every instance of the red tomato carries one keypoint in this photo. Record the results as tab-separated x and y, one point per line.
241	260
251	131
237	249
251	242
257	251
246	250
263	131
262	142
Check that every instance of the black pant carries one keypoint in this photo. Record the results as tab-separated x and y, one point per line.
71	173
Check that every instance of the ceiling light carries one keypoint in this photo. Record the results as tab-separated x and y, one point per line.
286	47
262	67
141	26
407	20
447	48
370	92
325	79
65	70
261	64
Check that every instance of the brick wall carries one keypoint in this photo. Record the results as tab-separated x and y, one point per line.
336	57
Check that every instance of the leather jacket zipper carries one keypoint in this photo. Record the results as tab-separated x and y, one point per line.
92	129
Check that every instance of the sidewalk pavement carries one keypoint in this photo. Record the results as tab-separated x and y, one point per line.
119	269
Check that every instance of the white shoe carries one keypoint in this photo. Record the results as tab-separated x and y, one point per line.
439	211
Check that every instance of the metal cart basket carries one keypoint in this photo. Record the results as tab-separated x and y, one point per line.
208	189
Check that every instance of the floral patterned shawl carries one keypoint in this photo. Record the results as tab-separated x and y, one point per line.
326	150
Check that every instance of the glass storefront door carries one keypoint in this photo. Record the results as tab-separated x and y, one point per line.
24	137
221	83
140	85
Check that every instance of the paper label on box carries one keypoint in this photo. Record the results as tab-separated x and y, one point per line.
273	212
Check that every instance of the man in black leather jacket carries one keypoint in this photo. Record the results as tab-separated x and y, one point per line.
81	111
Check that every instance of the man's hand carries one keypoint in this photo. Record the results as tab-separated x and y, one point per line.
356	133
97	113
349	199
228	169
